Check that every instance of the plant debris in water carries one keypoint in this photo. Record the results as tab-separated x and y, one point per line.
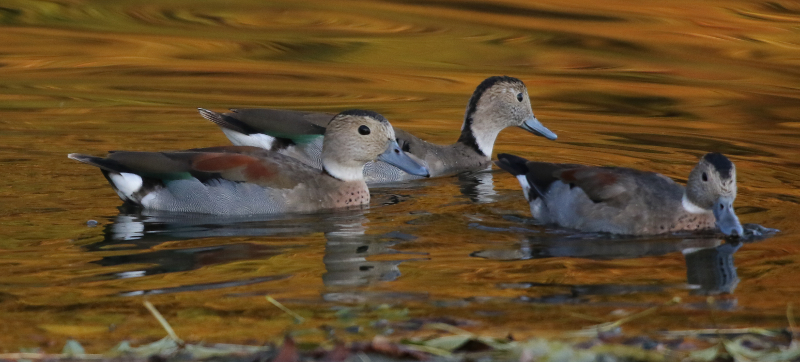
450	343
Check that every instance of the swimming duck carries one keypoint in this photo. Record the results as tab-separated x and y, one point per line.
240	180
498	102
626	201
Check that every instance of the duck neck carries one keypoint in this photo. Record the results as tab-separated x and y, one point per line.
478	135
343	171
691	207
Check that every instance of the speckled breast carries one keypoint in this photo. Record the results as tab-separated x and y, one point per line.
352	194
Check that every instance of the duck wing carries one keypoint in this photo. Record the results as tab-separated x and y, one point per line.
601	184
296	126
233	163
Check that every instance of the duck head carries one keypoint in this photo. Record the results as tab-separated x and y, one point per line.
499	102
712	187
356	137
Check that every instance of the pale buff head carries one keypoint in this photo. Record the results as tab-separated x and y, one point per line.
497	103
356	137
712	187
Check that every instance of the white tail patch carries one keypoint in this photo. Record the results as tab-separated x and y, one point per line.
691	208
126	184
526	187
256	139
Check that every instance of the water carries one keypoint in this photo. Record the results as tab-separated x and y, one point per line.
652	86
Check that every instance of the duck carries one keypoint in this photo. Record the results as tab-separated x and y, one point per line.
497	103
627	201
246	180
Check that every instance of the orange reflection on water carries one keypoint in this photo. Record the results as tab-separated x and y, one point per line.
651	85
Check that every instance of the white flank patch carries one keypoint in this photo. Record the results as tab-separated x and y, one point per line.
126	183
691	208
147	200
526	187
256	139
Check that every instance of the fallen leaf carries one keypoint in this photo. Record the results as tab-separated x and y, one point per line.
338	354
288	352
383	345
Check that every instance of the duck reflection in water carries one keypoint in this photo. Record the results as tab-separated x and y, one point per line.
709	261
711	270
478	186
346	251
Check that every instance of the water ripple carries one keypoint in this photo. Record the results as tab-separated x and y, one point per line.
504	9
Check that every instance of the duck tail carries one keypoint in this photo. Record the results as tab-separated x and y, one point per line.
225	121
122	179
532	187
515	165
102	163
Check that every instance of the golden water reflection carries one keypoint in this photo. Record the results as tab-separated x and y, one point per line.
651	85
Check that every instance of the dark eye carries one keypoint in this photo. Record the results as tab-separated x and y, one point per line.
721	206
519	97
364	130
705	177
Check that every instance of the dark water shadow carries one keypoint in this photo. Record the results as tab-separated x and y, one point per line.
135	229
685	142
347	247
477	186
710	268
503	9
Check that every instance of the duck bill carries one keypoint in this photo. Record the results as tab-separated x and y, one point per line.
397	158
533	125
727	222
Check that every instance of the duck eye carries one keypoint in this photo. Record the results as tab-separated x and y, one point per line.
705	177
721	206
364	130
519	97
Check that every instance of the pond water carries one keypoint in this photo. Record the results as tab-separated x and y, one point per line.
653	86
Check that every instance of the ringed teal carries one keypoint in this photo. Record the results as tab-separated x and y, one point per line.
626	201
498	102
239	180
